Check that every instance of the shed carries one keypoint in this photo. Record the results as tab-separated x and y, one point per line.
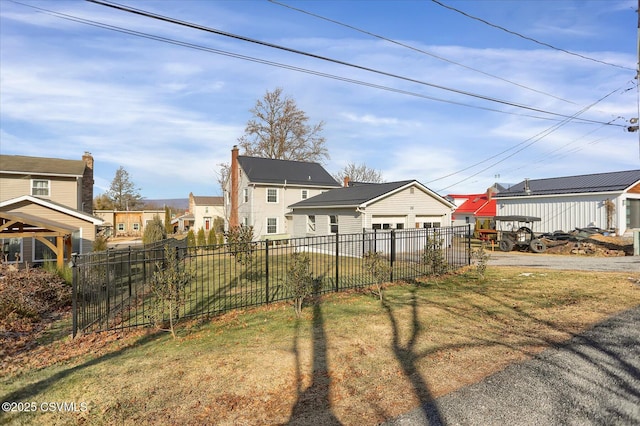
604	200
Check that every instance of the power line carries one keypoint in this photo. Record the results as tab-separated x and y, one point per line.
532	140
415	49
528	38
277	64
315	56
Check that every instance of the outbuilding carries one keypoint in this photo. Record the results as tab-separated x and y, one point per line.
604	200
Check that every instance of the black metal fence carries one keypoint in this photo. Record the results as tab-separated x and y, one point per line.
112	289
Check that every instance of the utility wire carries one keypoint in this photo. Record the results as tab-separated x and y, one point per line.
532	140
415	49
276	64
528	38
312	55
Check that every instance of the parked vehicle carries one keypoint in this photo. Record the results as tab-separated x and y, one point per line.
516	231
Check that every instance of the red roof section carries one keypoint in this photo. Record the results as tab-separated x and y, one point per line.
478	205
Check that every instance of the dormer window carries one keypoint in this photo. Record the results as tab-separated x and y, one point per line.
40	188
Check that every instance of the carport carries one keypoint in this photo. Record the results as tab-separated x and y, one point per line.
21	225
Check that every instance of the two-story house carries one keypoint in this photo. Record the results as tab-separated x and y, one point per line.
205	210
259	191
46	203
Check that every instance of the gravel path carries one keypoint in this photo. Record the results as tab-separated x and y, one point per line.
574	262
594	379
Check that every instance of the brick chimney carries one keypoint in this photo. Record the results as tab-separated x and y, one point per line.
87	184
233	188
346	181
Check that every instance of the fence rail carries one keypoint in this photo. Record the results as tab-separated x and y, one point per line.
112	289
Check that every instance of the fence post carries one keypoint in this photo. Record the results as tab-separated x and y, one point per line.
337	261
469	244
129	267
266	268
74	294
393	250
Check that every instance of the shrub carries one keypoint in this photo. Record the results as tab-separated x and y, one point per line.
378	268
433	255
481	258
299	280
201	238
212	238
241	246
154	231
167	284
191	239
100	243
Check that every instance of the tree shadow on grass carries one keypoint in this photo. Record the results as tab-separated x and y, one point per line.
28	392
408	358
313	405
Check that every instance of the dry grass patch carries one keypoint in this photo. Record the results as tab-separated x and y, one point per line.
349	358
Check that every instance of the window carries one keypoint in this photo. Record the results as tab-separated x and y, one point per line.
311	223
333	224
11	249
305	194
40	188
136	227
272	195
245	221
121	227
377	226
399	225
245	195
272	225
431	225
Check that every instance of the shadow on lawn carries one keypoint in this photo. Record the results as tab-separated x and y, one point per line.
30	391
313	405
408	359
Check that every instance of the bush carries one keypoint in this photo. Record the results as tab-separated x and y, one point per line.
100	243
240	240
481	258
191	239
433	255
212	238
299	280
378	268
201	238
154	231
167	284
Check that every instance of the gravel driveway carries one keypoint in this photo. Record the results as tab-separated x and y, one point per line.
569	262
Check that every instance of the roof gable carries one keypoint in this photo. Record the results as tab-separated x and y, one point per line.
268	170
20	164
54	206
360	194
598	182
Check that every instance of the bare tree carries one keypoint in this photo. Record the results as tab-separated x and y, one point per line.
280	130
122	192
359	173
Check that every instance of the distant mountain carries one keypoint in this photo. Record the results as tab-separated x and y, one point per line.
176	203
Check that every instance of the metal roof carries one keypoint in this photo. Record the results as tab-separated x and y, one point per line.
598	182
268	170
20	164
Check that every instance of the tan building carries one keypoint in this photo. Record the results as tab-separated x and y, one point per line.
46	207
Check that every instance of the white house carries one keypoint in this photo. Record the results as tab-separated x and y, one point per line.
605	200
393	205
259	191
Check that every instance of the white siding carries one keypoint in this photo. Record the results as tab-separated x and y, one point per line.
561	213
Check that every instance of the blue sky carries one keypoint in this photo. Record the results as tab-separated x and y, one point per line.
507	108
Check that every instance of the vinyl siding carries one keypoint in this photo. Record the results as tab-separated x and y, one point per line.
561	213
61	190
408	205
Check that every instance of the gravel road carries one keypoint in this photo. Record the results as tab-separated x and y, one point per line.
594	379
569	262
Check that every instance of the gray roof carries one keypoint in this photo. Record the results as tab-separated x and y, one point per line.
268	170
353	195
598	182
205	200
21	164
